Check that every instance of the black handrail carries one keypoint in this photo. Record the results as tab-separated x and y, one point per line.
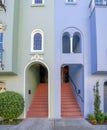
1	62
75	89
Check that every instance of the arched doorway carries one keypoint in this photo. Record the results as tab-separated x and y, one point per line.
105	97
36	90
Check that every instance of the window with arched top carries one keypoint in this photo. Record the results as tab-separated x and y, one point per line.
71	41
66	43
37	41
76	43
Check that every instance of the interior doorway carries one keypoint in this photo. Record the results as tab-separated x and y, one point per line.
105	97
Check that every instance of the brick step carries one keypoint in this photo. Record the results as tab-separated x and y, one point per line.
39	101
39	109
38	113
73	106
71	114
40	97
69	106
68	100
39	105
37	116
70	109
69	103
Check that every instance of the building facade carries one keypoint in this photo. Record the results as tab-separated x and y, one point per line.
41	39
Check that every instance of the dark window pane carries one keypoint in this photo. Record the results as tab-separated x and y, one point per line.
1	37
66	44
37	41
38	1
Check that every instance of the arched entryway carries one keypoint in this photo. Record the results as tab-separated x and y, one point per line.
36	90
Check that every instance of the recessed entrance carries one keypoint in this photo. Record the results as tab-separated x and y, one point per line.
105	97
71	90
37	90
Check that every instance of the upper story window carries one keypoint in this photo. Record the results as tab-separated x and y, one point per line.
70	1
66	43
38	2
76	43
100	2
94	3
71	41
37	41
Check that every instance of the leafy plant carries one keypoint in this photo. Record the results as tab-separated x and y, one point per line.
94	121
11	105
105	117
91	117
97	101
101	118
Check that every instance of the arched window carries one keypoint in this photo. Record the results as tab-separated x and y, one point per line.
66	43
76	43
37	41
72	41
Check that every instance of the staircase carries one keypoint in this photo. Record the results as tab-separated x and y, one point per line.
39	105
69	106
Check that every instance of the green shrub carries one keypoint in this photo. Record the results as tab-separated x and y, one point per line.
105	116
11	105
91	117
101	118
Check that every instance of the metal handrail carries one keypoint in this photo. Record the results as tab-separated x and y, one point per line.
1	62
75	89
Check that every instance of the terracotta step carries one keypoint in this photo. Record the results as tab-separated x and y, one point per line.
39	105
70	109
65	116
69	106
39	109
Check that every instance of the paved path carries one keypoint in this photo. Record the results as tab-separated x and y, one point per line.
58	124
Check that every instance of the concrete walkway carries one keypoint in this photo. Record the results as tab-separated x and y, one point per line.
58	124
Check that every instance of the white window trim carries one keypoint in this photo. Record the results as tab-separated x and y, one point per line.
34	4
32	41
73	2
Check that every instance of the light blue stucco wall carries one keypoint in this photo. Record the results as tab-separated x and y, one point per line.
69	16
98	40
77	16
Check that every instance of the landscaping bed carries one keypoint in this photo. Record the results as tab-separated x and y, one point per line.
7	122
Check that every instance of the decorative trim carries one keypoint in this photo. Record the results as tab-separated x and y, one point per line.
2	27
37	57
